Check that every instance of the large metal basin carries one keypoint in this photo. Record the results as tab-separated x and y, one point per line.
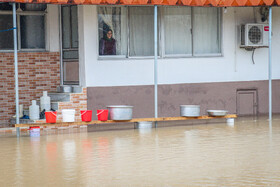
190	110
120	112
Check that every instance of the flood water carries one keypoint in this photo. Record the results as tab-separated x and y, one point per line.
244	154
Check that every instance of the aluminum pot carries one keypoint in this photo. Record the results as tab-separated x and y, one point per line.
190	110
120	112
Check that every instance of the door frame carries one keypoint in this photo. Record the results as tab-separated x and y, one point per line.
62	82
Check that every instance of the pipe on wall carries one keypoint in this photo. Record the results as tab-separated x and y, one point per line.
16	65
270	65
155	62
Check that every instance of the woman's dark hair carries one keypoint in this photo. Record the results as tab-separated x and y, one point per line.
106	32
109	30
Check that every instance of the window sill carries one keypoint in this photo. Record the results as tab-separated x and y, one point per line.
24	51
103	58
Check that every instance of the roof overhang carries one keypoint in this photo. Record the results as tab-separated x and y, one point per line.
201	3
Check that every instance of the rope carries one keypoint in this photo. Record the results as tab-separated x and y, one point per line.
8	29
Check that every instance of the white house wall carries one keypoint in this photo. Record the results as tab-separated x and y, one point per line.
229	67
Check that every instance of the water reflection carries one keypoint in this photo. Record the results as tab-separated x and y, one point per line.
69	150
51	150
145	131
103	148
245	154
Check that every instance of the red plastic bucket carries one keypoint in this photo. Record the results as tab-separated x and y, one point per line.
102	115
50	117
86	115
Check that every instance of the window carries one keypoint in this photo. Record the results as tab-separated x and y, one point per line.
30	24
192	31
177	31
183	31
115	19
206	31
141	31
6	37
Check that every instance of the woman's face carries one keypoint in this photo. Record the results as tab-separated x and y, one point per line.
109	34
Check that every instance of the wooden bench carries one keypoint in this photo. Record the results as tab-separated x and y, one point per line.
59	124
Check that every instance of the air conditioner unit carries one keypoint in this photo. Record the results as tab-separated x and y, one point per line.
254	35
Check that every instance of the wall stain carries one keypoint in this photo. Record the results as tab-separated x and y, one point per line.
166	90
148	91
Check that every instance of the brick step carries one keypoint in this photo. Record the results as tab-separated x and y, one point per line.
60	101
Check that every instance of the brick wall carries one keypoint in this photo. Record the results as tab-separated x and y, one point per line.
37	71
78	101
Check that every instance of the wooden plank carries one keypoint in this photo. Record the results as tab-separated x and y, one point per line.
61	124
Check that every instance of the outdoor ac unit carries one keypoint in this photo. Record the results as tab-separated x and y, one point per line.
254	35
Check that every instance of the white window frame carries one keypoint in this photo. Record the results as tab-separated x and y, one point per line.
19	13
161	41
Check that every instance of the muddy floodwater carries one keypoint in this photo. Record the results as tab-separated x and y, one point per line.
244	154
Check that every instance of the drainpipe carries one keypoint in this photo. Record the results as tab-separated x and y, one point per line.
16	65
155	63
269	65
60	45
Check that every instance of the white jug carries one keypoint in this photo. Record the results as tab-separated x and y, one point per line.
45	102
34	111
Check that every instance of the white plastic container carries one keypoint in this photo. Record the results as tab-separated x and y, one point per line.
34	111
45	102
144	124
68	115
230	121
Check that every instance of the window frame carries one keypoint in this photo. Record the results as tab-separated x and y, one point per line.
161	40
19	13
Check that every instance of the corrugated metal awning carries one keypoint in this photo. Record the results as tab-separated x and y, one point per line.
207	3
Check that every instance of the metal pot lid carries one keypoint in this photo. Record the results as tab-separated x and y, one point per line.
190	106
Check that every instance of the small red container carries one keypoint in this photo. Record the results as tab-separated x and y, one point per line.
34	127
51	116
86	115
102	115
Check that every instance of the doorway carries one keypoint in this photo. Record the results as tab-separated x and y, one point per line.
70	45
247	102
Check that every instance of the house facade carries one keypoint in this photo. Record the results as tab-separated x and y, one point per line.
200	61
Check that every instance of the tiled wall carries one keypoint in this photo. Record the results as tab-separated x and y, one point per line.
37	72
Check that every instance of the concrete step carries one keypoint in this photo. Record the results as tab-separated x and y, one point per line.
69	89
77	89
59	97
23	121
